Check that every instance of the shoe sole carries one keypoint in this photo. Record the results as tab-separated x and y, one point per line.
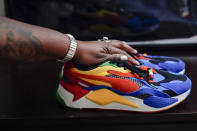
66	98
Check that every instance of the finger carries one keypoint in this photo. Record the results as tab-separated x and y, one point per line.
124	46
114	57
119	51
128	48
118	57
132	60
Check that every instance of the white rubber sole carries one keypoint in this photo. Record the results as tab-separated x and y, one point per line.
83	102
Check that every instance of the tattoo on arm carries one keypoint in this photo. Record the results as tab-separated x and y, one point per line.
18	43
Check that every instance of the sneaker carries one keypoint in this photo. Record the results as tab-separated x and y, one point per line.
170	64
116	85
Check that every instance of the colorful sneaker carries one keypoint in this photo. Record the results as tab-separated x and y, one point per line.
116	85
170	64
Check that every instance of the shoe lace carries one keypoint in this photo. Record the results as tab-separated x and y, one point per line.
147	75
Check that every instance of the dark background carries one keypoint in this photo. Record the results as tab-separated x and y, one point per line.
27	91
64	16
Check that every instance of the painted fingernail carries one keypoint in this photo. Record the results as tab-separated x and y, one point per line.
137	63
123	58
124	42
135	51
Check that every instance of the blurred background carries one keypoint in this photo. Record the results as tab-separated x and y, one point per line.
130	20
2	9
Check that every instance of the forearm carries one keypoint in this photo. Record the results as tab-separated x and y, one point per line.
24	42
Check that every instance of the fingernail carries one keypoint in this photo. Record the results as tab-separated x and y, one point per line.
123	58
124	42
137	63
135	50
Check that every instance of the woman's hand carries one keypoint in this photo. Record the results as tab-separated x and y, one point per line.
94	52
23	42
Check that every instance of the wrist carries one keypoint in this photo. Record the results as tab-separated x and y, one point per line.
76	57
71	49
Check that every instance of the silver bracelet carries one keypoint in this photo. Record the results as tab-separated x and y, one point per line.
71	50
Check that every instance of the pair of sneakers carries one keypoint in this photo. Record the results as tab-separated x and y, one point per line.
157	84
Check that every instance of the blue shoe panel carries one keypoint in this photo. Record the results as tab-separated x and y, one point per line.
171	64
178	86
159	102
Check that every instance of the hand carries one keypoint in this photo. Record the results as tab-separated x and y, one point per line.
94	52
